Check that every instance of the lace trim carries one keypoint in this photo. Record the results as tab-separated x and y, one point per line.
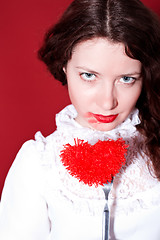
132	195
139	202
133	179
61	186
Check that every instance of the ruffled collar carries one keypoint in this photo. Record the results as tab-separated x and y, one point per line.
67	130
66	124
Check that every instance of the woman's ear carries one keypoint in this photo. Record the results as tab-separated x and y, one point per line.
64	70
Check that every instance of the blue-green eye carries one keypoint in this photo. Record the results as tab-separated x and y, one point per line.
88	76
128	80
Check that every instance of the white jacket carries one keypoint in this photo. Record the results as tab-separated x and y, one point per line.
42	201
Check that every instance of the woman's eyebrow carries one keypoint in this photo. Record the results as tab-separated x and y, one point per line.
87	70
134	73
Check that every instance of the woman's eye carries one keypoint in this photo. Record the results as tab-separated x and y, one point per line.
128	80
88	76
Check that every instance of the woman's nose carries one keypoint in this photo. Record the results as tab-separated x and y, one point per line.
107	97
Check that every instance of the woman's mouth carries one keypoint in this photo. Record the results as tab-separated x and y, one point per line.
105	119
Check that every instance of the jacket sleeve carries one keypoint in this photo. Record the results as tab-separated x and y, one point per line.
23	209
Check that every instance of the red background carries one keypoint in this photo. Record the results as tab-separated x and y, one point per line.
29	96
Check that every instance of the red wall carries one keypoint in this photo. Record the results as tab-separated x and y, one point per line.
29	96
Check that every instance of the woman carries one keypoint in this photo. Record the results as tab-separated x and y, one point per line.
106	51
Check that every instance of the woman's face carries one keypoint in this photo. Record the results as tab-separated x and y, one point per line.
104	83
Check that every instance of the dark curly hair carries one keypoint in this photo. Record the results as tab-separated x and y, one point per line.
128	22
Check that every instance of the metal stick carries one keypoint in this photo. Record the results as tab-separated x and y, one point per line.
105	230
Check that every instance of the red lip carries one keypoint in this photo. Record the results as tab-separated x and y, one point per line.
105	119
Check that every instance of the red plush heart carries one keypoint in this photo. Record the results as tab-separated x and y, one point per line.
94	164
